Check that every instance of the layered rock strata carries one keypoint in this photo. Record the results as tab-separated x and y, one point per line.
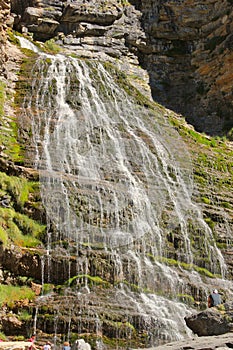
5	21
190	56
186	46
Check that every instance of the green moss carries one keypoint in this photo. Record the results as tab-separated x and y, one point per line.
24	315
221	245
47	288
210	223
227	205
19	338
19	190
92	280
205	200
189	267
204	272
14	225
11	36
186	298
9	130
2	336
20	229
10	294
122	80
51	47
2	97
3	236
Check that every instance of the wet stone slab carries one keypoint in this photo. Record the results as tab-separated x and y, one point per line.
220	342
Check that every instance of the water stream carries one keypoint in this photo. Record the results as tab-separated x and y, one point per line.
115	176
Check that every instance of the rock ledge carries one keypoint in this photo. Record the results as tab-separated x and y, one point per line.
220	342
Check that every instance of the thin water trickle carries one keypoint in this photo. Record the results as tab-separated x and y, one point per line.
115	174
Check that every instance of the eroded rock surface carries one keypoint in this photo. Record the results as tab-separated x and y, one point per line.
5	21
190	57
186	46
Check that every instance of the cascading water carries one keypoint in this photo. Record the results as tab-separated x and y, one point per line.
116	178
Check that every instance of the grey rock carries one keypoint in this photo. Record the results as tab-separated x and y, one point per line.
221	342
209	322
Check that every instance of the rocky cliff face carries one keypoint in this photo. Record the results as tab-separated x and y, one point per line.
5	20
182	44
190	56
186	46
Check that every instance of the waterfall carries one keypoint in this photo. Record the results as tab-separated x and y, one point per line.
115	177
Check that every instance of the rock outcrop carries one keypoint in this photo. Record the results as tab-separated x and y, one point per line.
190	44
211	321
221	342
186	46
169	40
5	22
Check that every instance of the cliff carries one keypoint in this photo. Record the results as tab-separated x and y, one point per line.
185	46
185	53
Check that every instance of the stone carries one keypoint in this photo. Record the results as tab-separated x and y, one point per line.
222	342
208	322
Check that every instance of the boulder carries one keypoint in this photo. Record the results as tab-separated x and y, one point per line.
210	322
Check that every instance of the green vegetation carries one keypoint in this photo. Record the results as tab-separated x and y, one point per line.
24	315
20	229
210	223
15	225
47	288
205	200
186	298
124	2
11	294
185	266
11	36
92	280
212	169
2	98
2	336
122	80
19	189
51	47
19	338
8	131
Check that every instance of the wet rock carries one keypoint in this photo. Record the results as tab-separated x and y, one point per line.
221	342
21	263
12	325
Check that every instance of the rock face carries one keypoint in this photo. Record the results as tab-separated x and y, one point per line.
186	46
190	54
5	21
167	38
